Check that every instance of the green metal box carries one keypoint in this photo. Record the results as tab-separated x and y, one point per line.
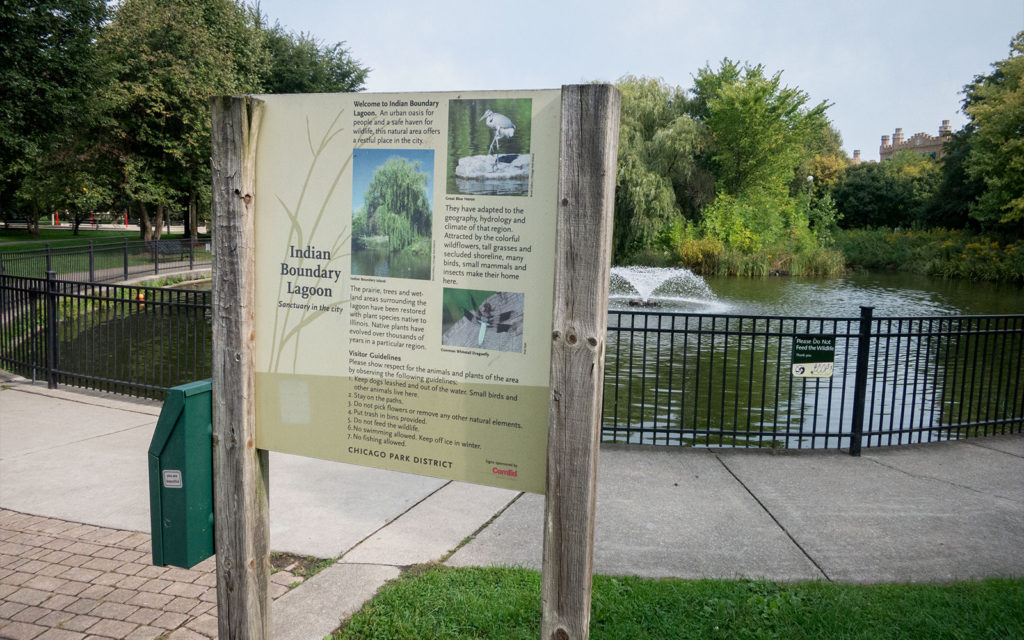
181	477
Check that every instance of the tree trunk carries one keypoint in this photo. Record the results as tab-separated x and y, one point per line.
33	220
145	228
158	226
192	219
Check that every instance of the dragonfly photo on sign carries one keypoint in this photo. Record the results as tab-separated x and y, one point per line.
482	319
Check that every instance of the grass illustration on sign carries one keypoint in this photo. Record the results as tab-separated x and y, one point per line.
290	320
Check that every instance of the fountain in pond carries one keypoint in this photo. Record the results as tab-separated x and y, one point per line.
658	286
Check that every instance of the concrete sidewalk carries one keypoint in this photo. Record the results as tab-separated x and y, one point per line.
76	462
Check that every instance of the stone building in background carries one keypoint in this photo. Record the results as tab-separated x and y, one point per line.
923	143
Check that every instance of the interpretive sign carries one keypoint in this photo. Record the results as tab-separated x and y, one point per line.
404	268
813	356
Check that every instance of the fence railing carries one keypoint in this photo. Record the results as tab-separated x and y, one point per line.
726	380
107	261
670	378
132	340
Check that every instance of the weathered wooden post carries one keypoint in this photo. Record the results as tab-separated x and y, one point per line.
240	470
586	188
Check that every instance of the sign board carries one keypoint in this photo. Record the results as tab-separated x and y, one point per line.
813	356
404	266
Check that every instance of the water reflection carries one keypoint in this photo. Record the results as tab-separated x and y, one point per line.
889	294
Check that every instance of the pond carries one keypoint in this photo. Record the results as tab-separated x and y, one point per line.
891	294
714	377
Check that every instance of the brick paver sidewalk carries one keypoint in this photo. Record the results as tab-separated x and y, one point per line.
68	581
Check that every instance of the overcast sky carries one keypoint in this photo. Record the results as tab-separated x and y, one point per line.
882	64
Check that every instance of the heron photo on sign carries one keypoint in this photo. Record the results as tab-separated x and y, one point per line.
489	146
392	212
482	319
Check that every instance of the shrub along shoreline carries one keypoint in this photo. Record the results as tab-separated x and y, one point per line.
940	253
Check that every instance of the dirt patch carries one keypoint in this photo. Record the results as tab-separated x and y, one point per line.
301	566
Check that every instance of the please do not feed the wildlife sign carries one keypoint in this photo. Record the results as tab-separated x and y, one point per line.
404	265
813	356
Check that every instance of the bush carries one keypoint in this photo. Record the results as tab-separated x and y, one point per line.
700	255
820	261
936	252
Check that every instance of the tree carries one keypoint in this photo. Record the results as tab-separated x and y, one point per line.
47	69
956	192
994	105
899	193
658	181
761	135
396	204
301	64
167	58
761	131
825	161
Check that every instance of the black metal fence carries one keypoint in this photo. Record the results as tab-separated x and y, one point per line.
670	378
725	380
107	261
131	340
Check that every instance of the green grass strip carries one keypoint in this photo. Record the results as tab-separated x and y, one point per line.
443	603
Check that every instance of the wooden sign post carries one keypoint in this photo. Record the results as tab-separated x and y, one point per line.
240	472
585	196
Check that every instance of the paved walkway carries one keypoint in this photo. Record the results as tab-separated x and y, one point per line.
79	565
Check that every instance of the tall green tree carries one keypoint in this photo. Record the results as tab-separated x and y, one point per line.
300	63
899	193
396	204
47	71
658	181
994	105
957	192
761	131
166	59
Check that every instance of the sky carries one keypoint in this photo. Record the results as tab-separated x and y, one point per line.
881	64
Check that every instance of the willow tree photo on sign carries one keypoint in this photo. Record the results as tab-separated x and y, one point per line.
392	212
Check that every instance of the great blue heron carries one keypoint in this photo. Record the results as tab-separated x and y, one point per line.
500	125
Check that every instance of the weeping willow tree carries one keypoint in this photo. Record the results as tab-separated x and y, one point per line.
396	206
659	182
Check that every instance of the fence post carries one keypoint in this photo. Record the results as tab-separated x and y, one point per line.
48	258
51	328
1	263
860	379
191	254
155	244
126	258
92	261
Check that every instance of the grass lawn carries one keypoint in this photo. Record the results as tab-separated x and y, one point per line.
20	240
441	602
